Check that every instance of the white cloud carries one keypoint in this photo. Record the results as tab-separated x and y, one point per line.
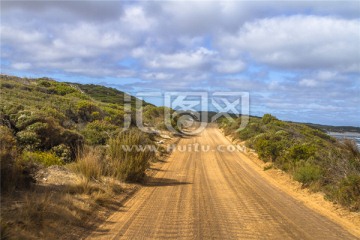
182	60
230	66
135	17
327	75
298	41
308	82
158	76
21	66
93	35
20	36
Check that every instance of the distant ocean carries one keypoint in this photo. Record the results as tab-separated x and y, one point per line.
350	135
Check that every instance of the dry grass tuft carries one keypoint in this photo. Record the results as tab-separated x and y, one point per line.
90	164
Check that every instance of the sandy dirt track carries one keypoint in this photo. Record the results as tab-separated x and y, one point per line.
214	195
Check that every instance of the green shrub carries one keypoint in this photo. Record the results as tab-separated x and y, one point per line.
7	85
28	140
63	89
307	174
114	115
130	155
301	152
267	118
24	118
63	152
250	131
269	146
85	109
98	132
44	83
44	158
349	192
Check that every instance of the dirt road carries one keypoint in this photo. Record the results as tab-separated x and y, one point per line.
214	195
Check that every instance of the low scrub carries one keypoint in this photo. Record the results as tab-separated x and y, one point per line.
307	174
313	158
349	191
45	158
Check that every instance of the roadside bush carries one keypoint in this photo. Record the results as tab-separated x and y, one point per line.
301	152
307	174
130	155
250	131
269	146
44	158
349	192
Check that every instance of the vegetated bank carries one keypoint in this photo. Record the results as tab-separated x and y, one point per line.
75	132
317	160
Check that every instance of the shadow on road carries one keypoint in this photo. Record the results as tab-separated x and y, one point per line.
163	182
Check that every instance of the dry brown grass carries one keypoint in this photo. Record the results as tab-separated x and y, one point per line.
48	212
90	164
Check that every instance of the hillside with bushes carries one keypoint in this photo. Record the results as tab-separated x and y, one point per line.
68	129
51	122
312	157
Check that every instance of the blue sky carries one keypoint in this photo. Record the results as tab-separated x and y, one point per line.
299	60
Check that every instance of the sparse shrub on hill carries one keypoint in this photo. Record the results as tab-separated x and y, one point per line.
114	114
267	118
99	132
88	111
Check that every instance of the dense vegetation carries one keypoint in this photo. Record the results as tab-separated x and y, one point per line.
313	158
106	95
72	130
44	123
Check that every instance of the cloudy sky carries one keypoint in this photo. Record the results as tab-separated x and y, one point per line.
299	60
